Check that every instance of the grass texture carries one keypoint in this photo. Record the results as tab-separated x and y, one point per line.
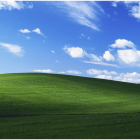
49	106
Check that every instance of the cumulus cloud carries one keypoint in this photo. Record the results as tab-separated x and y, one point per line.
25	31
45	71
13	5
74	72
108	56
129	56
133	77
128	77
122	43
82	12
74	51
77	52
17	50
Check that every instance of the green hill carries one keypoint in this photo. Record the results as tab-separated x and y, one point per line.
41	93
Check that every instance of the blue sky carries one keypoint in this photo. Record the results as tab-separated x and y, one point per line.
84	38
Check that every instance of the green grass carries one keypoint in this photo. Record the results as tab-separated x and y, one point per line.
70	101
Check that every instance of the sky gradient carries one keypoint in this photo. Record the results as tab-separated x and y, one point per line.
99	39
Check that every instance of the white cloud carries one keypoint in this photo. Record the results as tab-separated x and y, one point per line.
13	5
108	56
133	8
13	48
37	30
128	77
56	61
29	6
46	71
61	72
25	31
83	35
95	72
104	77
52	51
74	51
82	12
88	37
101	63
43	40
135	11
93	57
122	43
129	56
27	37
114	3
133	77
74	72
79	52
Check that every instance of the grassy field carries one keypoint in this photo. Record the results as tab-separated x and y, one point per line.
49	106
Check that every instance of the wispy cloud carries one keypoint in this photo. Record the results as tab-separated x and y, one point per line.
95	72
114	3
135	11
82	12
45	71
62	72
17	50
74	72
27	37
37	30
101	63
52	51
24	31
88	38
132	6
13	5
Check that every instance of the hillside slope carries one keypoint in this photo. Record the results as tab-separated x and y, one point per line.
42	93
